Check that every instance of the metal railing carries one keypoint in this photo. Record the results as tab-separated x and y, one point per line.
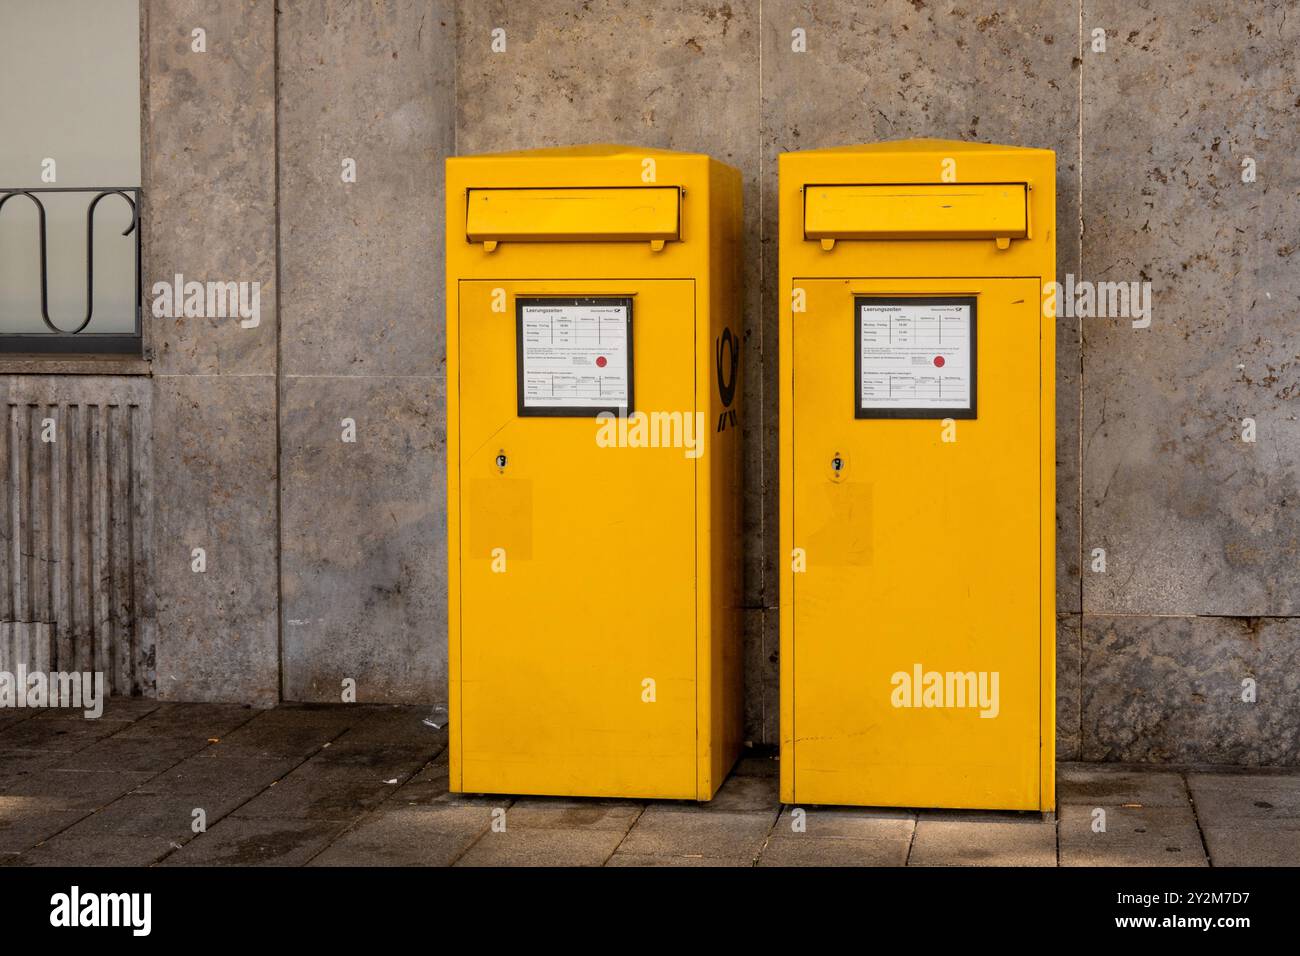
61	340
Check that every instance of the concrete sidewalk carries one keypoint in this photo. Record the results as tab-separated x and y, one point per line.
367	785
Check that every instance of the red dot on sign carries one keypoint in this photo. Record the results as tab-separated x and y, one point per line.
938	361
601	361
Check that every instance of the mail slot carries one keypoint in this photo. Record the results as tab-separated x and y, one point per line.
917	211
556	215
917	464
593	319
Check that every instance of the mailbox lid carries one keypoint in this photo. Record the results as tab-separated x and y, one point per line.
917	211
574	214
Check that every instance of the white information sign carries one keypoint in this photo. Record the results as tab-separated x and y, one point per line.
915	357
574	356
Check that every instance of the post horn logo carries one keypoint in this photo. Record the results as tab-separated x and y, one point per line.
727	356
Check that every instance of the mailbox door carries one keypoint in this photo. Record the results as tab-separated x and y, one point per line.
578	563
922	558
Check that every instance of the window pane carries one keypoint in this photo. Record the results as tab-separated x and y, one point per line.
69	92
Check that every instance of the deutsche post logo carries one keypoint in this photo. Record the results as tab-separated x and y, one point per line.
727	358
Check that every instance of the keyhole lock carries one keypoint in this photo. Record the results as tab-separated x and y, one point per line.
501	460
837	463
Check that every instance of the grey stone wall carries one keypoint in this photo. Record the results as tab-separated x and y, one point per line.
363	528
1200	528
210	183
326	559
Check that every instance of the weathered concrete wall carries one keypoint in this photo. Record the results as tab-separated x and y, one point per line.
363	532
209	179
1194	520
325	558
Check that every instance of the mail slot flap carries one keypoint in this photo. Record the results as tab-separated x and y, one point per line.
987	211
574	215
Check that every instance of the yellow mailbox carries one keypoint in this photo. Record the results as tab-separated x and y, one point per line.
593	312
917	475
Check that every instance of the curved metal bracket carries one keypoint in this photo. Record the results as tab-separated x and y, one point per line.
90	251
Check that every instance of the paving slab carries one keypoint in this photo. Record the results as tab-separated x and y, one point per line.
1237	846
77	789
15	807
805	850
201	721
397	727
1248	819
18	765
428	785
24	825
168	816
409	836
714	834
294	715
1234	800
1121	855
1134	836
245	842
97	849
314	797
113	719
205	774
848	823
1130	825
1249	808
61	733
565	814
116	720
126	708
647	860
9	717
538	846
947	842
1262	778
255	739
746	792
137	754
1105	787
386	760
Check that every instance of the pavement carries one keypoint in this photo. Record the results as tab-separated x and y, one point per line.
169	784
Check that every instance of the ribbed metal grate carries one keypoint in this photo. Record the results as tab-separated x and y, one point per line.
74	540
